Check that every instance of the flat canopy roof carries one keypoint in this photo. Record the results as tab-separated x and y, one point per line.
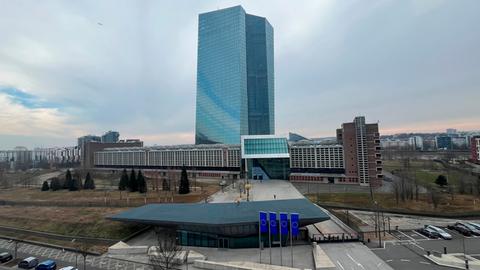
219	214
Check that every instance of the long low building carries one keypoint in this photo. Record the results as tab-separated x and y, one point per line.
354	158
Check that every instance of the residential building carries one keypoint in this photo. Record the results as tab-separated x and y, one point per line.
235	81
110	137
361	148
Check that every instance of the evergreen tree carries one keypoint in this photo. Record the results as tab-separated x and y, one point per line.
55	184
68	180
89	183
132	183
123	184
441	180
75	185
45	186
184	183
142	185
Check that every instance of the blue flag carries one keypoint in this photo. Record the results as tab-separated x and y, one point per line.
294	223
263	222
272	217
284	223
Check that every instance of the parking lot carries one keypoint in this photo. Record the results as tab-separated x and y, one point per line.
409	248
67	258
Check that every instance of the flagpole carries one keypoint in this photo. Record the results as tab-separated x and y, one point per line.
280	234
260	237
270	237
291	239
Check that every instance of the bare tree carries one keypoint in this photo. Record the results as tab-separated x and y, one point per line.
167	254
435	196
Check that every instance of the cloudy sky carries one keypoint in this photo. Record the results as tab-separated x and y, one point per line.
69	68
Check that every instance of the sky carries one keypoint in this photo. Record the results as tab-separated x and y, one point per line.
70	68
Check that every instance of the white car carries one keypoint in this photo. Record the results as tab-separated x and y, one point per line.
443	234
476	225
68	268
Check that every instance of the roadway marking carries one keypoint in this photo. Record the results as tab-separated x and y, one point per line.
389	260
404	260
351	258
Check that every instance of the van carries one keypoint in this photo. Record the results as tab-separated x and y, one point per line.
47	265
28	263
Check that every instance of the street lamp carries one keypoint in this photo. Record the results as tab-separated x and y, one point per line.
248	186
76	253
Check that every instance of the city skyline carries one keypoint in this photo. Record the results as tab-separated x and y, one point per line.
92	66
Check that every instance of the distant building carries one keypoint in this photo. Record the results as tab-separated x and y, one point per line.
475	148
416	142
90	148
451	131
361	148
88	138
444	142
235	83
459	143
110	137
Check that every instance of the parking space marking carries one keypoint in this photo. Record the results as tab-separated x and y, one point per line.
406	235
421	235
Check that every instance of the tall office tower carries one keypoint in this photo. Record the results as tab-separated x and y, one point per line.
361	147
235	84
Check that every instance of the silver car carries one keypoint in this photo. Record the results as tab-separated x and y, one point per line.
443	234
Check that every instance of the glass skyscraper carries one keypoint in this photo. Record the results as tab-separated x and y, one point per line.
235	84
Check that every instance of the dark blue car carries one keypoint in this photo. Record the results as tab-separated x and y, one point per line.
47	265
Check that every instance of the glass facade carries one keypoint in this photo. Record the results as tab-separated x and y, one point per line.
234	76
262	146
260	76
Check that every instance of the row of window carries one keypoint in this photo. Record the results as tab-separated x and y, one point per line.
191	158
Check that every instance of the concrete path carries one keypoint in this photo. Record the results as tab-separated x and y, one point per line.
265	190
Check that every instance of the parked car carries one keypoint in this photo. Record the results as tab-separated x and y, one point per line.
5	257
28	263
47	265
460	228
476	225
441	233
429	233
68	268
470	227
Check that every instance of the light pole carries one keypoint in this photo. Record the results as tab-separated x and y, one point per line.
76	253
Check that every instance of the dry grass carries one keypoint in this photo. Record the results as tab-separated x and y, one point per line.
73	221
460	203
99	196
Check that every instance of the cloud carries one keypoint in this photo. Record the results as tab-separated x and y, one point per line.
22	115
91	66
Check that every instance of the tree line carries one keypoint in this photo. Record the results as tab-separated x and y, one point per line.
71	183
135	182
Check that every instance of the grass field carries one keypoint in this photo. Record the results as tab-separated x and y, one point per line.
425	171
100	196
461	203
72	221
